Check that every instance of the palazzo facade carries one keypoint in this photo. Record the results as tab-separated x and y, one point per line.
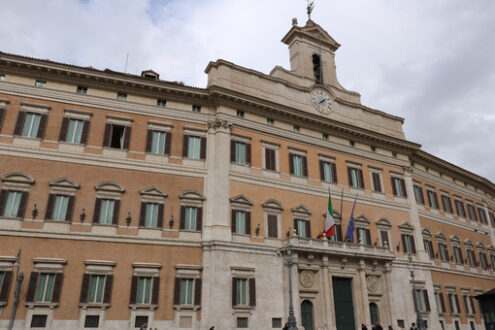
137	201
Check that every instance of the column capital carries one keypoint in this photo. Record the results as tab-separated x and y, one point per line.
219	124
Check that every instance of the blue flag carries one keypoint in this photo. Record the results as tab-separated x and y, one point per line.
349	235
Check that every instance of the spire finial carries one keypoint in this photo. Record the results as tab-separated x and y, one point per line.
309	8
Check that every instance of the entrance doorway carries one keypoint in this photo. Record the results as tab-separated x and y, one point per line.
307	315
374	313
342	298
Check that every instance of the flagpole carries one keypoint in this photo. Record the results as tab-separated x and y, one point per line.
341	210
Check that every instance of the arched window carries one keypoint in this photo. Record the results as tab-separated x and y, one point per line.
317	69
307	315
374	313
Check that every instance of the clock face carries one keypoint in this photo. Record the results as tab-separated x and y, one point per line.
322	100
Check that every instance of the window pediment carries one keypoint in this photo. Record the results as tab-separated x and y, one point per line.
468	243
65	183
455	239
241	199
192	195
406	226
362	220
17	177
384	223
153	191
301	209
336	214
272	204
110	186
440	236
426	233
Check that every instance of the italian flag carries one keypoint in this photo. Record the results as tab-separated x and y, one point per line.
329	229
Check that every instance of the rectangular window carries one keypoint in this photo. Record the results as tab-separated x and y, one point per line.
471	258
186	291
151	215
297	164
458	255
106	211
240	222
196	108
2	77
270	121
483	260
121	96
141	322
377	182
272	224
74	132
355	177
471	212
161	103
302	228
240	152
454	303
418	195
277	322
241	294
92	321
240	114
408	242
328	171
467	307
324	136
31	125
459	206
40	83
482	215
144	290
12	204
194	147
190	220
384	237
444	253
296	128
492	218
242	322
44	289
60	207
363	236
399	187
158	142
447	204
432	199
82	90
429	248
270	162
39	321
96	288
440	302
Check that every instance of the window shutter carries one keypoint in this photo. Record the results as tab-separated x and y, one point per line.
2	115
338	232
457	307
116	210
368	237
22	204
308	228
5	288
159	220
127	137
334	172
404	246
361	180
416	309
384	236
252	292
450	205
177	291
185	145
442	302
234	292
3	200
197	292
377	186
349	176
436	198
272	225
96	213
432	249
305	166
57	288
248	153
182	221
20	123
149	140
41	127
142	215
199	219
70	209
156	290
413	246
63	129
49	206
427	301
322	171
33	281
460	255
394	190
83	298
447	252
168	142
248	223
421	196
291	163
85	132
270	159
106	135
234	229
203	148
295	228
403	186
134	288
471	300
107	298
232	150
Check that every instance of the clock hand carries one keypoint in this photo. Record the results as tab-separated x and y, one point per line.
322	101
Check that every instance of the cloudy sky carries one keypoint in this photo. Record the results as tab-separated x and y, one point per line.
431	62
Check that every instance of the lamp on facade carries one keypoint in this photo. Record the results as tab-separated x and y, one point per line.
82	216
171	222
419	320
19	278
128	219
292	319
35	212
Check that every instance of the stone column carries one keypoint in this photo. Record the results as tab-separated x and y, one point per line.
364	292
490	228
296	301
325	291
217	183
389	295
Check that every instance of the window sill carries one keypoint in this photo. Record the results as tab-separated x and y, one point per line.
193	161
104	224
143	307
190	230
96	305
50	305
149	228
241	309
108	151
193	308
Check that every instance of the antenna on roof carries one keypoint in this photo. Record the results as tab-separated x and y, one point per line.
126	59
309	8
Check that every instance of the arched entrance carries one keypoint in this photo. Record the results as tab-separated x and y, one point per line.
375	318
307	315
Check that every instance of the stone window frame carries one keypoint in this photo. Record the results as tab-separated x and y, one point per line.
456	199
362	222
480	209
439	300
34	108
455	242
384	225
275	208
199	132
274	146
193	272
427	237
417	184
51	266
359	167
451	290
332	161
407	229
21	182
470	204
435	197
304	162
379	171
468	244
142	269
247	151
480	248
96	267
241	203
402	183
248	273
301	212
154	195
3	106
62	186
468	307
69	114
108	190
119	121
446	194
442	239
159	126
192	198
6	265
491	256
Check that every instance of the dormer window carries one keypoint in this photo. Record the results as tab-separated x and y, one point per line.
317	69
150	74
